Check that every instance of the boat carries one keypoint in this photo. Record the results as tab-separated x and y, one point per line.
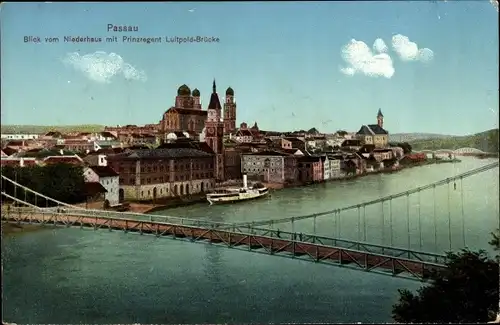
232	195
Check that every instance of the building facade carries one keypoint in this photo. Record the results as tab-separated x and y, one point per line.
150	174
108	178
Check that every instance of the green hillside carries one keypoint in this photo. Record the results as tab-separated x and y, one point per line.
46	128
486	141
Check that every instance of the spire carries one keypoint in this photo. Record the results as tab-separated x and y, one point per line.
214	88
379	114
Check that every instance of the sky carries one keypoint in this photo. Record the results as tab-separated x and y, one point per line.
431	67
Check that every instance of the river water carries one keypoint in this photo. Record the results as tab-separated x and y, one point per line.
86	276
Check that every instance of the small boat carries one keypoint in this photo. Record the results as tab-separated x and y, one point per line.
237	195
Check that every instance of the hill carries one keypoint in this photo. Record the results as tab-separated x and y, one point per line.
39	129
486	141
407	137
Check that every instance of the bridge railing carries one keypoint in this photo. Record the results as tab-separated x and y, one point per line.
119	216
261	232
344	243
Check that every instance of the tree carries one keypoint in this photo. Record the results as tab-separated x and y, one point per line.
61	182
342	133
465	292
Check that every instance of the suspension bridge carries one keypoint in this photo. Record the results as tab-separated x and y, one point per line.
327	237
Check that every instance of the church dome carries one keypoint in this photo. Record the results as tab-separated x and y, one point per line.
196	92
183	91
230	91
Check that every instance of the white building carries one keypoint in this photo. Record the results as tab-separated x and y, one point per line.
108	178
335	171
17	136
326	168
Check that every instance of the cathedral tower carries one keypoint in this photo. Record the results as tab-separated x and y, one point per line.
215	132
196	99
229	112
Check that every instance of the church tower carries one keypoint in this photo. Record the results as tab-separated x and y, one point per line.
196	99
229	112
380	118
215	132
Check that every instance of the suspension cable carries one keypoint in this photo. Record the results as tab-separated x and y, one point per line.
339	224
449	217
390	219
334	224
419	221
435	220
383	224
364	223
359	224
394	196
463	214
408	219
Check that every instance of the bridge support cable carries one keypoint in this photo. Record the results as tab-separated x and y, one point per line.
339	224
449	217
408	218
314	225
359	223
364	223
383	223
394	196
334	231
463	213
419	221
435	221
293	225
390	222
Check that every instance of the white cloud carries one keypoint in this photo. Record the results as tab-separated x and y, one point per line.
409	51
101	66
379	46
360	59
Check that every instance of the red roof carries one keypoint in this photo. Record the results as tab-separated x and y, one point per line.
73	160
17	162
104	171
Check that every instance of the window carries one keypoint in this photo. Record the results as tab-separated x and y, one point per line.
148	180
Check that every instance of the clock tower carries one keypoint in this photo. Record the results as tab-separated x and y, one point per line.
215	133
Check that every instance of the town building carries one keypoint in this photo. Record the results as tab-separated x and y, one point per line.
246	135
232	162
108	178
269	166
310	169
374	133
18	136
150	174
326	167
335	166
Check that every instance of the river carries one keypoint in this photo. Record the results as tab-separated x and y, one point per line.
86	276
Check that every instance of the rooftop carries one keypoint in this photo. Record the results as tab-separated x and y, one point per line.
104	171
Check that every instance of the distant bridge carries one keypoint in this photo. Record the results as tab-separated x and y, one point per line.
457	152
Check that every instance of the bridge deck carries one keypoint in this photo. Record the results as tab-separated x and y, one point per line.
314	248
